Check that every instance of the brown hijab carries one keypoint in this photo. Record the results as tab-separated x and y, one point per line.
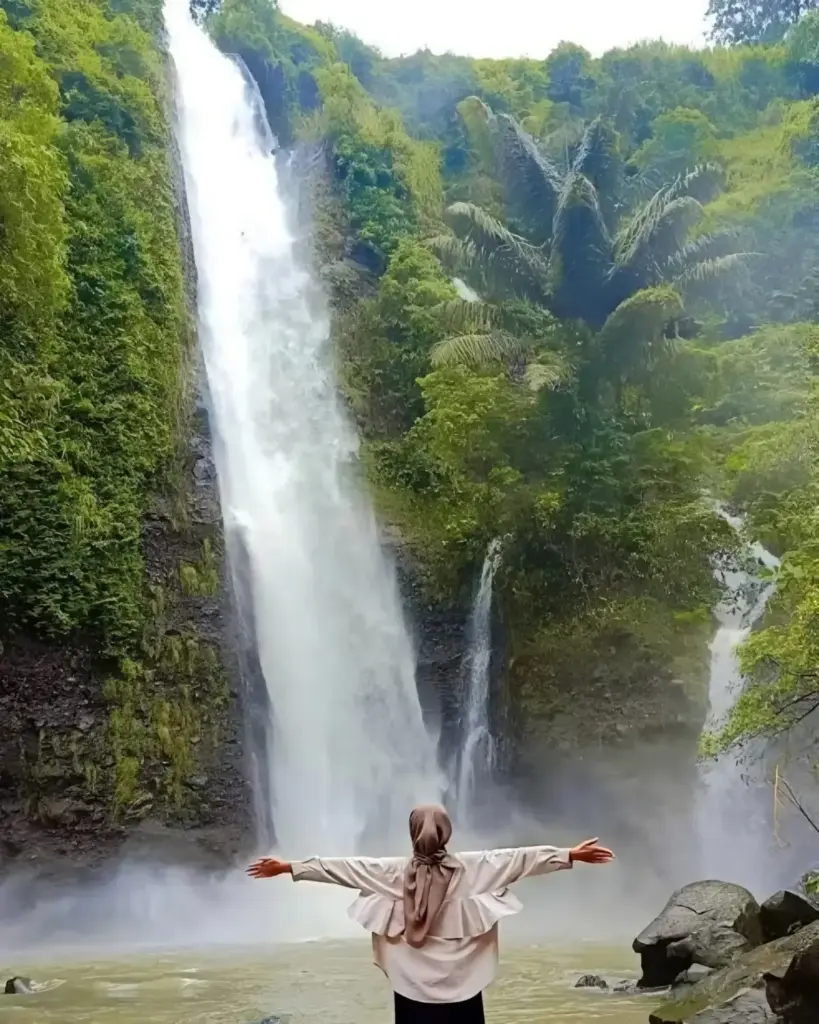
429	873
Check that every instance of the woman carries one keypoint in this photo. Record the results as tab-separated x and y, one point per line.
434	918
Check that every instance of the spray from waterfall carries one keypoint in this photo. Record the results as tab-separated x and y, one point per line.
733	803
476	754
348	752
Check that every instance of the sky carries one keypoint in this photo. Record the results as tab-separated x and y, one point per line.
506	28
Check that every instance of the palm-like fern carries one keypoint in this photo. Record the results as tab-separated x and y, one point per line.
492	258
509	333
585	253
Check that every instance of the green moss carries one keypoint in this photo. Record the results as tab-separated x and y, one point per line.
165	716
201	578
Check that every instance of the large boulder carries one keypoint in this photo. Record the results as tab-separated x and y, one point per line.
708	923
784	912
753	973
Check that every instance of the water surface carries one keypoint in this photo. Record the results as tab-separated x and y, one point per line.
331	983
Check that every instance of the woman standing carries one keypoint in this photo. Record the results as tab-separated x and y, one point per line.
434	917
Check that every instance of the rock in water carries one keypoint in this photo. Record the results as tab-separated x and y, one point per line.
708	923
784	912
18	987
794	996
591	981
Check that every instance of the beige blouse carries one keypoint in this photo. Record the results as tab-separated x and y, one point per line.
460	957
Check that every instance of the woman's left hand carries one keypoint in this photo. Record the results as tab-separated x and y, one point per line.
269	867
589	852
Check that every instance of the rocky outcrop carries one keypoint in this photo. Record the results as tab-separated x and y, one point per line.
785	912
62	798
708	923
747	1007
752	988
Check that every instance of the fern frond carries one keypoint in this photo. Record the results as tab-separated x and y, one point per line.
507	261
468	316
705	247
542	375
531	183
711	269
479	349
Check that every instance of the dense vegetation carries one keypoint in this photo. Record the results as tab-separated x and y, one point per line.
572	296
94	351
636	241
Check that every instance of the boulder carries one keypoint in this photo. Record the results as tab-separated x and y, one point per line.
708	923
18	987
794	995
784	912
694	974
754	971
591	981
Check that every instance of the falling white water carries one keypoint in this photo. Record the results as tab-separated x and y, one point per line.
476	755
733	800
350	752
464	291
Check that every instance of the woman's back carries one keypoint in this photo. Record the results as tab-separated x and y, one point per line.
434	916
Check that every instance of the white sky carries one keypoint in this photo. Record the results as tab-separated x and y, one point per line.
506	28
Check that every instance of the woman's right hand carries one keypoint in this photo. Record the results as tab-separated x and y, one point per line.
269	867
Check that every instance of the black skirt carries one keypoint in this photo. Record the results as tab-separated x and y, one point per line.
407	1011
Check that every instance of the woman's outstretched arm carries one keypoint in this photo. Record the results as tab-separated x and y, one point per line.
371	874
495	869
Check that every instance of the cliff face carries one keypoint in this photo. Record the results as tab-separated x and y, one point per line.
140	752
62	730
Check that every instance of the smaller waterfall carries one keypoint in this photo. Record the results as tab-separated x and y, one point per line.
733	802
477	747
464	291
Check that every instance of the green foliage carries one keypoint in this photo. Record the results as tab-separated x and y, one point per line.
680	139
201	578
94	379
384	344
93	336
389	183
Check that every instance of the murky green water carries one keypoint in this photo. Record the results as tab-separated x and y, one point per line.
331	983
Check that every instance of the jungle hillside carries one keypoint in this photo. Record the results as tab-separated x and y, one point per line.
574	308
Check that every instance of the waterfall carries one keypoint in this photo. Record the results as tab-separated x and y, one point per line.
348	752
733	802
475	757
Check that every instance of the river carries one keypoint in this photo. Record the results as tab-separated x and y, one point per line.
334	983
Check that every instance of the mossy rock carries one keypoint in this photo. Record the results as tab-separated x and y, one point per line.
745	973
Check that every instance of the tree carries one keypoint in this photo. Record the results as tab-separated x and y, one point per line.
586	247
755	21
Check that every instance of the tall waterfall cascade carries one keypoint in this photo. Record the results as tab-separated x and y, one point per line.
475	759
348	751
734	798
